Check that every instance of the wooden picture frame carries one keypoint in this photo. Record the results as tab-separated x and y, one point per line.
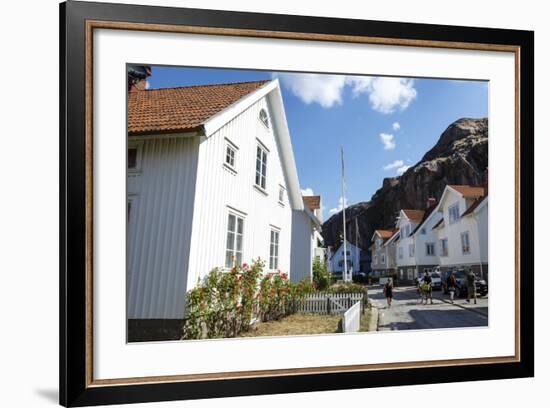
77	22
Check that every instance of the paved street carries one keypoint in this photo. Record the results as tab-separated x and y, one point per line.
406	312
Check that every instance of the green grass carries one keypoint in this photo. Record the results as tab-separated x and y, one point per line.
296	324
302	324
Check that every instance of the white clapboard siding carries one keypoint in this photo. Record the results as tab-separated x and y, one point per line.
220	190
159	227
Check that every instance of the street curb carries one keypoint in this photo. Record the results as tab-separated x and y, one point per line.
465	308
373	321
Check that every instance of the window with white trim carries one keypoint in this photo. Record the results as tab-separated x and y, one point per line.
230	155
261	167
274	250
465	240
375	259
454	214
281	195
430	249
234	242
134	157
264	118
444	247
411	250
383	258
400	251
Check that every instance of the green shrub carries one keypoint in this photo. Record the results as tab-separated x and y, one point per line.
225	303
321	276
347	287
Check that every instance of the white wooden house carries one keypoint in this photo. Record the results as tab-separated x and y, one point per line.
383	248
407	222
353	259
212	182
462	232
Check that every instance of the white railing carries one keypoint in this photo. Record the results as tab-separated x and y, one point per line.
331	303
352	319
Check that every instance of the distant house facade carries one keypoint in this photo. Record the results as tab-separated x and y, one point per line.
354	256
462	230
407	222
313	203
212	184
383	249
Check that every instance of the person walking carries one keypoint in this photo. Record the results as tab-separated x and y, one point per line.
471	279
388	291
451	286
427	287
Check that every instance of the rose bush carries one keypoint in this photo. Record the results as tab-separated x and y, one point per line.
224	304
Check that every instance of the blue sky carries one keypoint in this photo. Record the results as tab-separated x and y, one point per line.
383	124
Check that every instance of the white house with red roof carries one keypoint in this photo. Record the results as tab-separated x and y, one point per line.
383	249
212	182
462	232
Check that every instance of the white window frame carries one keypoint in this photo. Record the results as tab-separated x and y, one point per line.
234	251
383	259
432	246
281	195
265	118
444	248
454	218
131	205
274	248
376	259
400	252
230	146
411	250
139	152
262	173
466	249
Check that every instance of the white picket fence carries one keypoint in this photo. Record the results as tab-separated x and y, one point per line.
351	321
331	303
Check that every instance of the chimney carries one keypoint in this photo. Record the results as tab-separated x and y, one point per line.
137	77
432	201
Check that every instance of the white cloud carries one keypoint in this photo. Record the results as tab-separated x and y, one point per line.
385	94
402	169
388	94
307	191
333	211
387	140
326	90
396	126
395	164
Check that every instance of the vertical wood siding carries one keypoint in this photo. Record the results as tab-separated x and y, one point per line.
219	190
159	228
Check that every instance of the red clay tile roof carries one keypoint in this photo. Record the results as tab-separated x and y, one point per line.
469	191
427	213
386	234
414	215
312	202
184	108
474	205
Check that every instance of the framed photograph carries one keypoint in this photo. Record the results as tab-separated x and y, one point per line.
257	204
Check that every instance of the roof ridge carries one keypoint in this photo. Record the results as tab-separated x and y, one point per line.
203	86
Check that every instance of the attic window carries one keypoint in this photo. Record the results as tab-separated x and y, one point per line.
264	118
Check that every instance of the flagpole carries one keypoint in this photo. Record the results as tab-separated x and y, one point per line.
345	271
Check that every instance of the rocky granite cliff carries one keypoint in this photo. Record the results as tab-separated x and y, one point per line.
459	157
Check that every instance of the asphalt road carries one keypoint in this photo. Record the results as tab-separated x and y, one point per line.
407	313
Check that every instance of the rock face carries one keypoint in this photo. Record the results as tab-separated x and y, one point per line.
459	157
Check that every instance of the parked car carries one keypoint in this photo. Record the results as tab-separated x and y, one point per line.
436	280
482	288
